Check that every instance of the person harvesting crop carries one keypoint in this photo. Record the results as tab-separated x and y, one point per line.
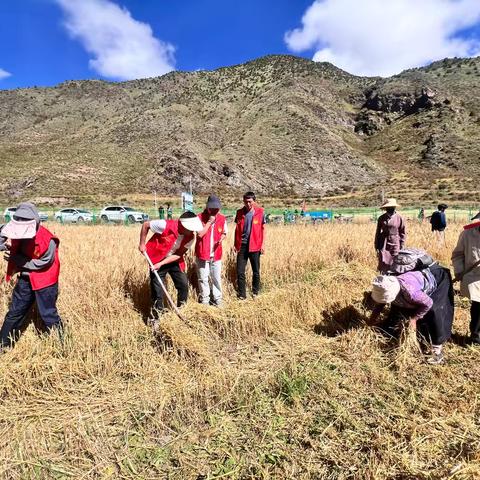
166	248
32	255
422	298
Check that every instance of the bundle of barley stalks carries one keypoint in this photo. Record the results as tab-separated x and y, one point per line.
291	384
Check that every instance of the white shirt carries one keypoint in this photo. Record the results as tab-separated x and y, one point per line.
212	236
158	226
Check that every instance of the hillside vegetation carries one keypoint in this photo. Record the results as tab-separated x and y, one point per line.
280	125
290	385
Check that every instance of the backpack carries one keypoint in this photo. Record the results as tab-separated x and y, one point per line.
410	259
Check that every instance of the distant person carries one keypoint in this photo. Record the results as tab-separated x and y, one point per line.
422	298
208	252
390	235
249	243
161	212
438	221
466	264
166	248
304	208
286	217
169	212
421	215
4	245
32	254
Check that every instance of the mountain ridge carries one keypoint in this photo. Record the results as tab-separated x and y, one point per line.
281	125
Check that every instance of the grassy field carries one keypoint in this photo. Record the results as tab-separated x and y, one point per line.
290	385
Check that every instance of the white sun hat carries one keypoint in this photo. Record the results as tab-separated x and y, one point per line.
385	289
390	202
18	229
191	222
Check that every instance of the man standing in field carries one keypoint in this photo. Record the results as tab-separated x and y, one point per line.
438	220
466	264
32	253
249	243
390	235
208	251
166	248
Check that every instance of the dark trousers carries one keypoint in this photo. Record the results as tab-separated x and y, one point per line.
243	257
22	300
179	280
475	321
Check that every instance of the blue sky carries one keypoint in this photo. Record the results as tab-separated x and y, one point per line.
45	42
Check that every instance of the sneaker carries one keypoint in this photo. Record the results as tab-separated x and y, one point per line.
436	359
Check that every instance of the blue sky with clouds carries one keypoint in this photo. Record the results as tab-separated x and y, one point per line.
45	42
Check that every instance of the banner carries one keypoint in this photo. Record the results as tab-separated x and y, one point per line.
187	201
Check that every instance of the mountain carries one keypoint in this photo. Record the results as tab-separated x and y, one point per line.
279	125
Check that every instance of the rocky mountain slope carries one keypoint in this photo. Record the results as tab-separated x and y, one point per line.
280	125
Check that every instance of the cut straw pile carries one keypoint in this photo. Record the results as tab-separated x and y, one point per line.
292	384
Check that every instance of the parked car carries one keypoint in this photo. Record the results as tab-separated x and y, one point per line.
9	211
73	215
121	213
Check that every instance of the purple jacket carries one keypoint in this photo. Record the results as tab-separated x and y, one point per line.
414	290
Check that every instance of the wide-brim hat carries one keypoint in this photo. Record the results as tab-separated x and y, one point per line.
192	224
18	230
385	289
214	202
390	202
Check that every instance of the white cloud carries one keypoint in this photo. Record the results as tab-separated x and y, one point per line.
384	37
122	48
4	74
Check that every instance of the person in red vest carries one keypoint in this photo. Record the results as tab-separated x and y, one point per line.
166	248
249	243
208	251
32	254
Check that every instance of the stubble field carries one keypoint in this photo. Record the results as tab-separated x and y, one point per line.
290	385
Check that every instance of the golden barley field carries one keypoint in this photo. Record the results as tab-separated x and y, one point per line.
290	385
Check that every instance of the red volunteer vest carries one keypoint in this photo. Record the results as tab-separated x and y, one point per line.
256	234
202	247
161	243
35	248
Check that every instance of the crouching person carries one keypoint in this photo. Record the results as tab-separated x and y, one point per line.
166	248
208	252
424	298
32	255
